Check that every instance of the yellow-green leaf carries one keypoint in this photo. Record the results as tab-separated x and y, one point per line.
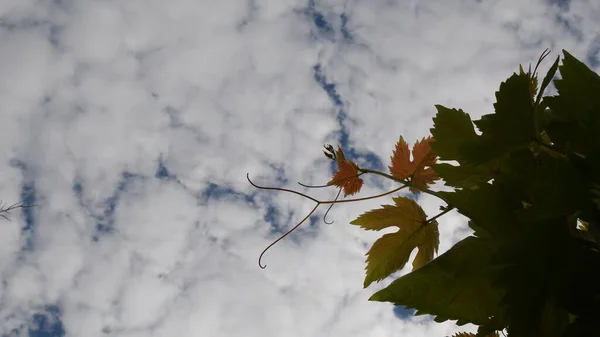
392	251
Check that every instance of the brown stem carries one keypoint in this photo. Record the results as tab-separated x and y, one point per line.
425	190
448	209
319	202
362	199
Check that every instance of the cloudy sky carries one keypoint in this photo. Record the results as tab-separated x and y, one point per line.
132	125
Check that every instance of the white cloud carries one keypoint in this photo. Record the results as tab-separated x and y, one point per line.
96	93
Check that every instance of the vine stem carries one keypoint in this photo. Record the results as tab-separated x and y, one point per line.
405	182
448	209
318	203
323	202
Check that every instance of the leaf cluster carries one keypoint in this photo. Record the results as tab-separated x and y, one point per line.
528	179
528	182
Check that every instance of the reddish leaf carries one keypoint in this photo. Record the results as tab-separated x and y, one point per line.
419	170
346	176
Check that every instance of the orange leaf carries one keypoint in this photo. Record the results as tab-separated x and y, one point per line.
346	176
419	170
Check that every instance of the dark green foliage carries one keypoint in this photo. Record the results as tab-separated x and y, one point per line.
530	185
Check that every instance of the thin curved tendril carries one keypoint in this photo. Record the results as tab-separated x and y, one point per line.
313	210
279	189
313	186
542	57
284	235
330	206
319	201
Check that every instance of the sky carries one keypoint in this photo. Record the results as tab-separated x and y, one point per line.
132	125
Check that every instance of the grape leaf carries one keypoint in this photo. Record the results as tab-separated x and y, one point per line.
451	129
509	128
457	285
526	269
346	176
419	170
576	110
464	176
491	207
392	251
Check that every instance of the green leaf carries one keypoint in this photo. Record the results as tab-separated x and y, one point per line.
463	176
510	127
451	129
575	122
457	285
550	184
491	206
479	231
406	213
512	117
392	251
576	75
527	270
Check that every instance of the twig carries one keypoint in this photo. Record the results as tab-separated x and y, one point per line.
4	211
